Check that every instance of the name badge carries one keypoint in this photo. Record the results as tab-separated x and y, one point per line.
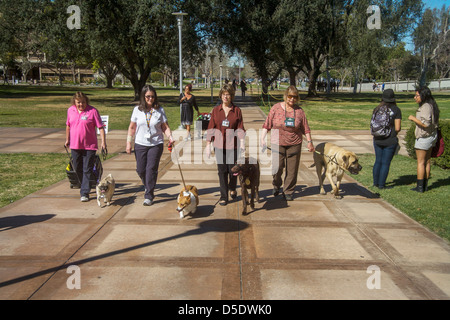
84	118
225	123
147	135
290	122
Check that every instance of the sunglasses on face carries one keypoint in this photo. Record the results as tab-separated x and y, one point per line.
292	97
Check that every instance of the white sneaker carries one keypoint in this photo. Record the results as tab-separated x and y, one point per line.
148	202
84	199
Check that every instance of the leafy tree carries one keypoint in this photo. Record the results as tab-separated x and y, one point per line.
431	40
20	31
135	36
246	27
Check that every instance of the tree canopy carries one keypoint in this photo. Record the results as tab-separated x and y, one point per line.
135	38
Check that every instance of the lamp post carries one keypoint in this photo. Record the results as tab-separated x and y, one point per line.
220	76
212	56
179	16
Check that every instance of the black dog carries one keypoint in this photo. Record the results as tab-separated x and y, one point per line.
249	175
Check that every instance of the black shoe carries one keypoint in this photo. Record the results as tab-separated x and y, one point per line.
233	194
419	187
223	202
288	197
276	191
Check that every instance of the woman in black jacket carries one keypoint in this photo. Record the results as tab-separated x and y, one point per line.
385	147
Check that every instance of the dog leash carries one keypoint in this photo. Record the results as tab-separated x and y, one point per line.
170	146
332	159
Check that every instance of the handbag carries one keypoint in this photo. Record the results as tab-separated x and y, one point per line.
439	147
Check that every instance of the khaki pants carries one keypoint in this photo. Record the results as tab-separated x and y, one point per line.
289	159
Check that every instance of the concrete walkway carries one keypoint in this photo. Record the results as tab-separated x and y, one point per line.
314	247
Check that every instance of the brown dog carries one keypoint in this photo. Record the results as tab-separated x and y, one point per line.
249	175
334	160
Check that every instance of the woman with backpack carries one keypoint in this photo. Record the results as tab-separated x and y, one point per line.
426	120
385	125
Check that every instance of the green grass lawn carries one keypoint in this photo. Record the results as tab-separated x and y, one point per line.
24	173
346	111
46	107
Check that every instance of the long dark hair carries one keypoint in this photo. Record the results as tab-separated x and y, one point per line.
384	103
142	103
426	97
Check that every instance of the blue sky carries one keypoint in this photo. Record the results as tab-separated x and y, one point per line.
436	3
428	4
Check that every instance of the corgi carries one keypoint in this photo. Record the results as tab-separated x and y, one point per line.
187	201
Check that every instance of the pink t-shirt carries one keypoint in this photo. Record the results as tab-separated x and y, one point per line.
83	126
288	136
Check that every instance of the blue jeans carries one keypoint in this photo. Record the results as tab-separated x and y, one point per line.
383	158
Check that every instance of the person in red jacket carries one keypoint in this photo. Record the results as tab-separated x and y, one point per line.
226	126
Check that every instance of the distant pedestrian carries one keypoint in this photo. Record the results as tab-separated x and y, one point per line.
243	87
81	137
147	126
188	103
426	120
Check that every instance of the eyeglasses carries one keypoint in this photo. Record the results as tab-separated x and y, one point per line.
292	97
148	97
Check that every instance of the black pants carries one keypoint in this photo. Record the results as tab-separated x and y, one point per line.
83	162
147	164
226	159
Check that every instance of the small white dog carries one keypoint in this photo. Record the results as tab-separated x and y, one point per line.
105	189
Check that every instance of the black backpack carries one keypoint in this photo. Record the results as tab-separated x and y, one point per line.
380	123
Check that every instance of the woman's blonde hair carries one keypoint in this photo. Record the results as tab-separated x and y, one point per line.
291	90
80	96
228	88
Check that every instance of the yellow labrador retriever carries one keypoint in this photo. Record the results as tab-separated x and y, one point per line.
331	161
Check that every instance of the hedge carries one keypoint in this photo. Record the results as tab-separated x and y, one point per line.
444	160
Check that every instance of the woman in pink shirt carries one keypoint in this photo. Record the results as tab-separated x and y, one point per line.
81	137
290	121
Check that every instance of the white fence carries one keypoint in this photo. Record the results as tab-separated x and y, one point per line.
404	86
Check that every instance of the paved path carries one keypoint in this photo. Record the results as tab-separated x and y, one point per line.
314	247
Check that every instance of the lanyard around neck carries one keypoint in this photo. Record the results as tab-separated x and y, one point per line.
148	118
285	112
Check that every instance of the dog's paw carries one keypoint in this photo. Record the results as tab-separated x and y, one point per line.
181	214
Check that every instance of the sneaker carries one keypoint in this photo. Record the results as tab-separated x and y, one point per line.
84	199
288	197
148	202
